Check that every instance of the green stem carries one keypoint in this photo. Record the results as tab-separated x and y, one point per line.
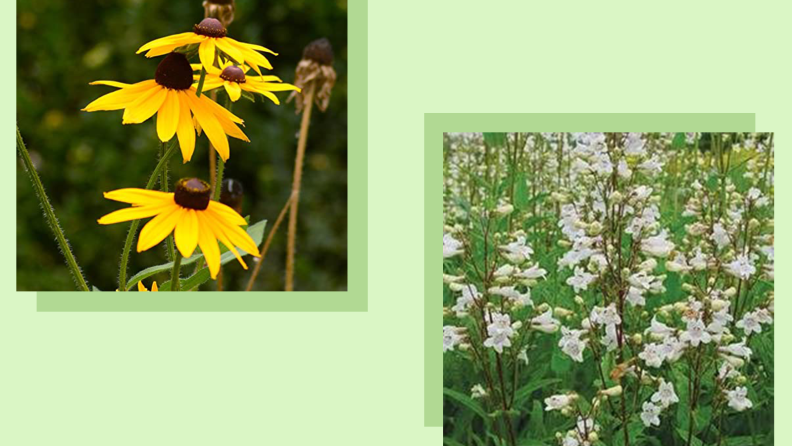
201	82
164	187
175	283
219	178
135	223
49	212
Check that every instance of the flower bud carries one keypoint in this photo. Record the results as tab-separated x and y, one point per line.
517	325
613	391
561	312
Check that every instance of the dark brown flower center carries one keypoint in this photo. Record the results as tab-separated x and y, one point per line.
231	194
221	2
232	73
174	72
320	51
192	193
210	27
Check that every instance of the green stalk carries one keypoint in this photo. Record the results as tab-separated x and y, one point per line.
164	187
201	82
175	284
220	163
49	212
135	223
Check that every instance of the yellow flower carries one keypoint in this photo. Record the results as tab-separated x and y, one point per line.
142	287
172	97
190	214
210	34
233	79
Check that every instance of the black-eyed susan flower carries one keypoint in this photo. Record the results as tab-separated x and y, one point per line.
142	287
190	214
233	78
210	35
172	97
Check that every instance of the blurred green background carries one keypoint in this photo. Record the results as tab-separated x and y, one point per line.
63	45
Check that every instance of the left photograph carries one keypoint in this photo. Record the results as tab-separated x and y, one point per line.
174	146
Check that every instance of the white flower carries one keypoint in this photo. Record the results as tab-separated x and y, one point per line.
635	297
557	402
634	145
738	399
741	267
504	271
657	245
610	340
545	322
499	331
719	235
750	323
665	394
580	280
517	251
727	371
650	414
533	272
523	356
478	391
451	337
586	426
509	292
624	170
469	295
652	354
605	316
696	333
679	264
738	349
699	260
570	440
451	246
658	328
571	344
672	348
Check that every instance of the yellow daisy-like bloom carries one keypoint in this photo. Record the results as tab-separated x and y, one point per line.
234	80
210	34
142	287
190	214
173	98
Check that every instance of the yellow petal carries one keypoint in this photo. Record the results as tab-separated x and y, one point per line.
187	233
228	48
141	287
154	286
168	116
159	227
145	106
233	90
133	213
209	124
207	53
251	46
265	93
219	110
208	244
111	84
185	130
240	238
217	230
226	213
121	98
138	196
180	39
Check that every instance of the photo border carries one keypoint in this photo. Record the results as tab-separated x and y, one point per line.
435	124
354	299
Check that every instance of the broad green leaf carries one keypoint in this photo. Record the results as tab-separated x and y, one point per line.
679	141
466	401
256	232
495	139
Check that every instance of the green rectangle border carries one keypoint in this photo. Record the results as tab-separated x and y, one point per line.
355	299
435	124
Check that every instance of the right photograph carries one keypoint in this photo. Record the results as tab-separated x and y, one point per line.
608	289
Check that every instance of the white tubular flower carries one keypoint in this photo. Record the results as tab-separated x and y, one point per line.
517	252
558	402
650	414
750	323
720	236
449	279
652	355
679	264
469	295
659	329
451	246
533	272
657	246
511	293
580	280
500	331
741	267
545	322
738	399
738	349
696	333
605	316
665	395
478	391
571	344
452	336
504	272
699	261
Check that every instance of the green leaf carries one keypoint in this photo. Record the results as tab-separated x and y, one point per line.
679	141
466	401
256	232
524	392
249	96
536	422
683	433
93	288
521	198
451	442
560	363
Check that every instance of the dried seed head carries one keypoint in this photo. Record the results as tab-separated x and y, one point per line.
233	73
192	193
210	27
320	51
222	10
231	194
315	74
174	72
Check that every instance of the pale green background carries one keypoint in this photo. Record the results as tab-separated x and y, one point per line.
357	378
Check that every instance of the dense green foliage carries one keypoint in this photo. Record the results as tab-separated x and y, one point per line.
63	45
